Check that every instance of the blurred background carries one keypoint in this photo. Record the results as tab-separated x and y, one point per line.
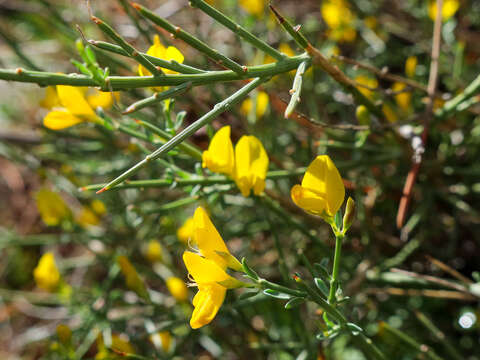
422	279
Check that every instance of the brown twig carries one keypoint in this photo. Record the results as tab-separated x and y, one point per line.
441	265
442	294
382	73
418	152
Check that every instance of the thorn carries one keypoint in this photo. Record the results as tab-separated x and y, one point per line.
291	91
136	6
244	68
18	71
297	28
102	190
128	110
83	188
96	20
279	17
134	53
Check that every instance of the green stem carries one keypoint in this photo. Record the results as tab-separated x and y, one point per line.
237	29
336	266
184	146
451	106
132	52
265	284
200	180
190	39
296	88
411	342
171	65
188	131
131	82
158	97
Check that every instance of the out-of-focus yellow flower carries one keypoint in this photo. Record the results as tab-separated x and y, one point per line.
75	109
403	98
98	207
363	115
389	113
367	81
162	339
339	19
46	274
322	191
103	99
64	334
220	156
87	218
185	232
253	7
260	107
411	66
177	288
251	165
370	22
51	206
208	270
449	9
283	48
166	53
118	344
132	279
154	252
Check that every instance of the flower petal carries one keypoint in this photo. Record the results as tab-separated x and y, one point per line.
60	119
73	99
207	238
204	271
220	157
251	164
308	200
323	179
207	302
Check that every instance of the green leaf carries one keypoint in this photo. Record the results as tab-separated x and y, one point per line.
322	286
276	294
294	302
250	273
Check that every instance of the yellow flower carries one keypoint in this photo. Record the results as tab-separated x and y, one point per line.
411	66
158	50
185	232
132	279
367	81
46	273
260	107
209	298
154	251
103	99
51	99
322	191
209	271
162	339
339	19
87	218
253	7
251	165
75	109
51	206
389	113
449	9
403	98
177	288
220	157
118	344
64	334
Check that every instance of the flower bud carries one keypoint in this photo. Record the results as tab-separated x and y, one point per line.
349	214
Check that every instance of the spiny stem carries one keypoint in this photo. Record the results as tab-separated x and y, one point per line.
171	65
132	82
131	51
237	29
293	31
190	130
296	89
198	180
158	96
190	39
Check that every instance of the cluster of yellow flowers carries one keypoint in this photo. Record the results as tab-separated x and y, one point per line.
340	20
321	193
247	165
